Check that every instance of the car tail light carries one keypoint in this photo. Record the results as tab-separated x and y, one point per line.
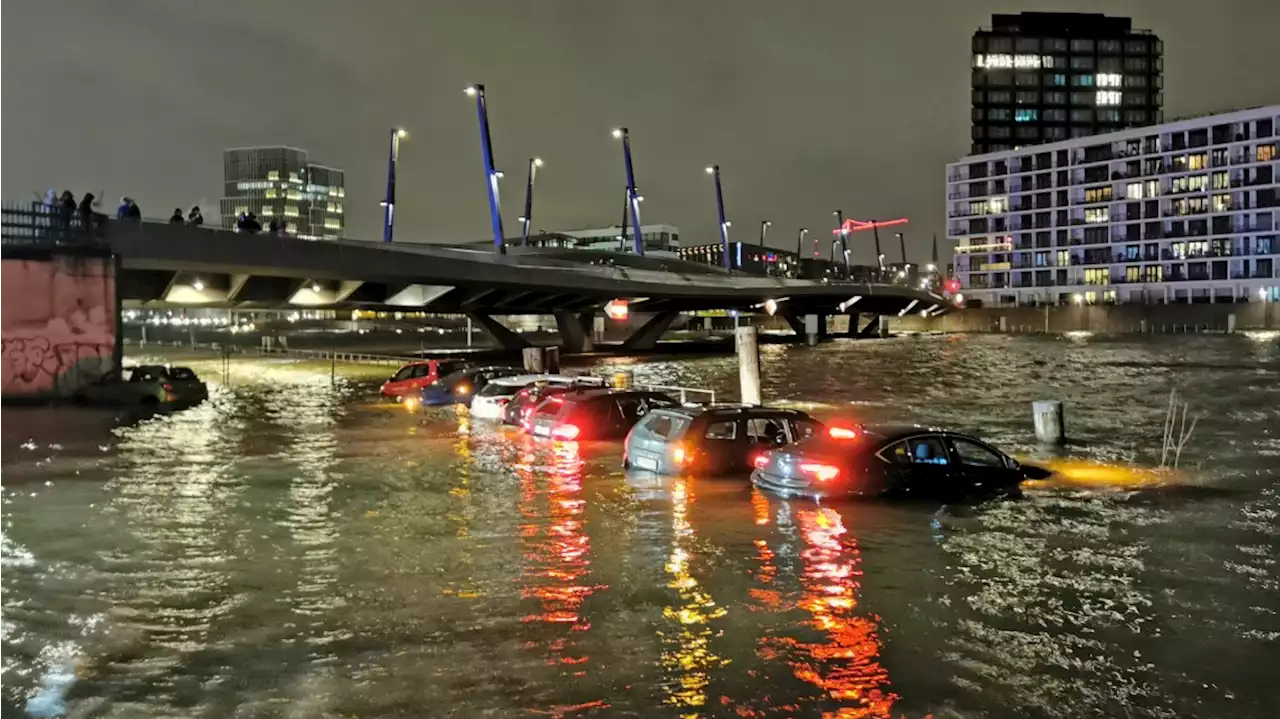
821	472
502	400
168	387
681	456
462	389
842	433
566	432
760	461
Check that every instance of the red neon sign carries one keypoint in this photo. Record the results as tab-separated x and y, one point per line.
852	225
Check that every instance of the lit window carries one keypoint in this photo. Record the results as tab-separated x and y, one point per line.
1221	203
1082	80
1197	162
1098	194
1108	97
269	193
1097	276
291	211
1266	153
1097	215
1132	273
1064	258
1133	191
1221	181
1108	79
1152	188
1002	60
273	174
1026	115
997	205
1197	183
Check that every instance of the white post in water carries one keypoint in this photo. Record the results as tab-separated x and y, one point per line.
748	363
811	329
468	333
534	360
1231	323
1047	415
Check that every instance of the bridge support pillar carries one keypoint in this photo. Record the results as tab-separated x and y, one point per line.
506	338
811	325
573	331
647	336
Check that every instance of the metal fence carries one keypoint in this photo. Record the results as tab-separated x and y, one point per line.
37	225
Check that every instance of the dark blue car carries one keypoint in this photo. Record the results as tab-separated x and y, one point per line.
459	387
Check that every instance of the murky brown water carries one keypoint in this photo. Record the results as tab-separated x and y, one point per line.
293	550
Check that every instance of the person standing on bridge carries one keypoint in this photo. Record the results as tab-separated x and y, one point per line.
194	218
85	210
177	218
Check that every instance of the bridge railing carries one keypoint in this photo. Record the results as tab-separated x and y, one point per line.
37	225
684	392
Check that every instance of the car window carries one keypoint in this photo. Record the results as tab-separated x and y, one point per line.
403	373
726	430
917	450
802	429
659	425
973	454
182	373
445	367
497	389
421	370
767	430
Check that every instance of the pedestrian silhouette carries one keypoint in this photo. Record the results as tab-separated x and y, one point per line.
177	218
195	219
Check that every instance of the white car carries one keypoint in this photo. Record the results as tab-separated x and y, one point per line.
490	402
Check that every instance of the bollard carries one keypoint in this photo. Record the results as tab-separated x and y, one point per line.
745	339
1231	323
1047	415
533	359
706	325
811	329
623	379
597	329
1004	324
1142	326
884	326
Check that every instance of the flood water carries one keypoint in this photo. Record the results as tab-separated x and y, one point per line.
290	549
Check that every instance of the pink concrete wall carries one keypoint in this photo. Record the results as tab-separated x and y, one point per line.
59	323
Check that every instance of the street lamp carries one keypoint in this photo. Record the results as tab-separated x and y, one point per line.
491	175
714	171
902	245
764	230
624	134
527	218
844	239
800	244
389	204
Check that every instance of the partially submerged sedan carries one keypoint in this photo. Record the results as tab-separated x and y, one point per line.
896	461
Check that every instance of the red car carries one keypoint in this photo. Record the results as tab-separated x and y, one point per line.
411	378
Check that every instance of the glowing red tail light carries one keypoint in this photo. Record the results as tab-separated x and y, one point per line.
565	432
842	433
760	461
168	387
821	472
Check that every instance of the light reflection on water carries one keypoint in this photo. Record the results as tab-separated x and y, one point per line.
292	544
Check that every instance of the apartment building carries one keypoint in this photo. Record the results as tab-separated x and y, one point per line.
1181	212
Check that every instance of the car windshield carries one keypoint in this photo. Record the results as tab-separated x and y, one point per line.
404	372
182	373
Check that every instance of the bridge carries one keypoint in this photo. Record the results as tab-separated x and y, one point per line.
170	265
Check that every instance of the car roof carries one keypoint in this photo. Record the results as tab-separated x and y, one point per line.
731	409
522	379
892	432
589	393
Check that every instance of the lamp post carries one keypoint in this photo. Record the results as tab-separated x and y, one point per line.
800	243
764	230
389	204
633	198
844	239
714	171
527	218
902	246
491	175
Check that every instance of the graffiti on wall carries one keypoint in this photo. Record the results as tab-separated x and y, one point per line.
58	323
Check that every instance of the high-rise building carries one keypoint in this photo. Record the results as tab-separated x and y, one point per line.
1043	77
281	183
1183	212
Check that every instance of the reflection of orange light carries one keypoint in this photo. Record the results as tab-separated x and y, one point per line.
680	455
761	507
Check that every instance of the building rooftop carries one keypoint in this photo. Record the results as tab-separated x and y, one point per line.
1063	23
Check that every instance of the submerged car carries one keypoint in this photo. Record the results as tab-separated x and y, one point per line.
520	409
712	439
895	461
491	402
460	386
591	414
411	378
145	385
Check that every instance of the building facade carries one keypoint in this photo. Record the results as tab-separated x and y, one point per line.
1044	77
281	183
1186	211
659	240
745	257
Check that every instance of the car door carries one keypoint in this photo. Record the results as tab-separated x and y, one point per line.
764	431
981	468
920	466
722	443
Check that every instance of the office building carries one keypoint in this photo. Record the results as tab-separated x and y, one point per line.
745	257
1182	212
1044	77
282	183
659	240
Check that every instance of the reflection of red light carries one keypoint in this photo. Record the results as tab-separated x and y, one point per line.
566	432
823	472
760	461
952	285
617	310
852	225
842	433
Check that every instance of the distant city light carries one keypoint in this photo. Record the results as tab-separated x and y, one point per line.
198	286
402	133
537	162
617	133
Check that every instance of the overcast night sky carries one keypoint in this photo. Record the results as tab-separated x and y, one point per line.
808	106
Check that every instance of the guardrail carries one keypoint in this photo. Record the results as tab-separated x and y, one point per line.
258	351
